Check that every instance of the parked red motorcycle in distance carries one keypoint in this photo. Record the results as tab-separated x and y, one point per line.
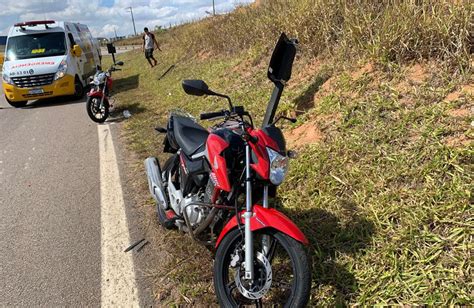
216	186
98	97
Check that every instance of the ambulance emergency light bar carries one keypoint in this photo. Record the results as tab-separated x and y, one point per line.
24	24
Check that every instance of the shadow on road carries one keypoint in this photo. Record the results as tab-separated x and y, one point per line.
48	102
120	85
55	101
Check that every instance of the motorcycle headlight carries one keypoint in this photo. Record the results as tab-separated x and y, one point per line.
99	79
278	166
61	70
7	79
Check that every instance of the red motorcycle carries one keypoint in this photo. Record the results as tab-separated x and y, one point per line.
98	97
216	186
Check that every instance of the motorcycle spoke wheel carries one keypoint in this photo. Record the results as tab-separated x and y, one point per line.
96	110
231	286
289	273
96	113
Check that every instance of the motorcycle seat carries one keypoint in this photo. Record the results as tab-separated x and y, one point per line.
189	135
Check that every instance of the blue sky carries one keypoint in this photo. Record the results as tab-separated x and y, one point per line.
107	3
105	16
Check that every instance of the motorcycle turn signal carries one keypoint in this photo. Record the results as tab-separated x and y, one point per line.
292	154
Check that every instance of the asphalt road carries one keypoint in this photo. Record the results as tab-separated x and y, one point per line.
50	205
119	49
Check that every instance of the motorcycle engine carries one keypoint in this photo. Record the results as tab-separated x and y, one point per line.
210	187
195	213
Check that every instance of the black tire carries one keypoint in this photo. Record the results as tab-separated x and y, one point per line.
92	110
296	296
78	88
17	104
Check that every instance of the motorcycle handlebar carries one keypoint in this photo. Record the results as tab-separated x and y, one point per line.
212	115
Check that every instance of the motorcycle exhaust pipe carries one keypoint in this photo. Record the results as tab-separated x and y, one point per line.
155	183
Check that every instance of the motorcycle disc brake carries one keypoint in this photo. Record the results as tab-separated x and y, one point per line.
262	281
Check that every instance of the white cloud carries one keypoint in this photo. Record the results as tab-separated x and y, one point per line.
39	7
104	19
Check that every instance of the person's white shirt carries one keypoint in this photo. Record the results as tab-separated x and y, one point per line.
149	41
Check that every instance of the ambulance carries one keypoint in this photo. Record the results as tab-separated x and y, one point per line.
47	58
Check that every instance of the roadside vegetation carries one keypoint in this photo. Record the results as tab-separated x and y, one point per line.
2	54
383	183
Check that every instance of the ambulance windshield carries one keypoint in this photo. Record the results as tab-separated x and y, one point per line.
36	46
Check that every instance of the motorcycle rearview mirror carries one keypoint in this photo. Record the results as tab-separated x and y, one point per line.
199	88
120	63
279	72
196	87
281	62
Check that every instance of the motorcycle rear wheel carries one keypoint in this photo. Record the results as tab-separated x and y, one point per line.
297	271
96	115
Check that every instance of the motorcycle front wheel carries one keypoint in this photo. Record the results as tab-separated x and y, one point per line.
282	273
95	112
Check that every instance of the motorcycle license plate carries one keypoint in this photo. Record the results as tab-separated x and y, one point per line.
36	91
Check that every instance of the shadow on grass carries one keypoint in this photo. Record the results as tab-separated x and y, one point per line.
125	84
134	109
328	238
305	101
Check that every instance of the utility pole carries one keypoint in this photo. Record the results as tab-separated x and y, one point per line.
115	33
133	20
213	8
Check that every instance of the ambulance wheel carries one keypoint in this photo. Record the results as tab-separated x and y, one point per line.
17	104
78	88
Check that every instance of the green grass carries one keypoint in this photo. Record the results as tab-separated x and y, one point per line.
385	198
400	211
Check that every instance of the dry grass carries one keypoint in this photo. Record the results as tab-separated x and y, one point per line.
385	31
2	56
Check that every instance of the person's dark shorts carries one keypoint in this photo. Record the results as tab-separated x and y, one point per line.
148	53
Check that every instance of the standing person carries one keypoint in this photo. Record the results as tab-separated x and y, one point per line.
149	42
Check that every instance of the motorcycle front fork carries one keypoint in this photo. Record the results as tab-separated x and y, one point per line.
249	247
103	96
249	273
